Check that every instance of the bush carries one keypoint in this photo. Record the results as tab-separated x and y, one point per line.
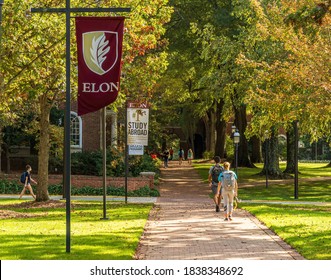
208	155
90	163
11	187
143	163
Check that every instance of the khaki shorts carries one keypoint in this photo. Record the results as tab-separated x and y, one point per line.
214	189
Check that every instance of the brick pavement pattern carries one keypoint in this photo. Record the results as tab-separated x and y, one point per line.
184	225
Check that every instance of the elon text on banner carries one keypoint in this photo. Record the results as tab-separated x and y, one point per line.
99	51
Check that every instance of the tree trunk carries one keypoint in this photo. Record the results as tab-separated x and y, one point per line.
207	127
7	158
114	132
241	124
220	130
210	124
273	169
212	130
256	156
44	147
290	147
1	142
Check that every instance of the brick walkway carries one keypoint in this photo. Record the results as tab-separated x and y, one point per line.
184	226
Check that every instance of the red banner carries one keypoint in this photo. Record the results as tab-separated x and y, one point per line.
99	46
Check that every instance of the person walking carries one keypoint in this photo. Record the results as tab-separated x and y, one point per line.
228	188
180	156
189	156
166	157
26	180
214	173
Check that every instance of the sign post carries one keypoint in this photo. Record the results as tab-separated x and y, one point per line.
137	123
136	133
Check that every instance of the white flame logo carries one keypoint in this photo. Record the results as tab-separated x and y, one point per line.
97	49
100	47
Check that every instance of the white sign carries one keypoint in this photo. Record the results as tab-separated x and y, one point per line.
137	126
136	150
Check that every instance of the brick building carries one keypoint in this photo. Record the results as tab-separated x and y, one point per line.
86	130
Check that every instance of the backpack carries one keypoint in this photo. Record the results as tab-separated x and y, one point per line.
229	181
215	173
23	177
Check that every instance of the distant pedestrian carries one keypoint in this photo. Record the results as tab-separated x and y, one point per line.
228	187
189	156
180	156
166	157
171	152
214	173
26	180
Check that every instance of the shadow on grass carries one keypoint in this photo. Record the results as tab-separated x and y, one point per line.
306	228
43	236
83	247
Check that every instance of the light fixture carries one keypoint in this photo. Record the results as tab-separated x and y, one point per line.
236	137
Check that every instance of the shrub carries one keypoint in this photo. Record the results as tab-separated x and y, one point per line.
90	163
142	163
11	187
208	154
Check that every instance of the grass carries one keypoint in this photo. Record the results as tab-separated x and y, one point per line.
40	233
248	175
306	228
308	191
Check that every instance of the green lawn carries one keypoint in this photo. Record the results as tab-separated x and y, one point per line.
40	233
308	191
247	175
307	228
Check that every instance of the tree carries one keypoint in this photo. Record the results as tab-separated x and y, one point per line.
288	64
34	68
221	43
180	86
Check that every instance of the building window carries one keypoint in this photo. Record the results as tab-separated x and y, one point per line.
75	130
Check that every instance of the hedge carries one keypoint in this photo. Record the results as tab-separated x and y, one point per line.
11	187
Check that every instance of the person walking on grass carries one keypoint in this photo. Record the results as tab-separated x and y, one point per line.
26	180
228	188
214	173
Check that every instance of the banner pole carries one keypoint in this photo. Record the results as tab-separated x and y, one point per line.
104	162
126	154
67	142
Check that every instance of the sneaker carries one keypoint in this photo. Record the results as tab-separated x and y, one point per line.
226	219
230	218
217	208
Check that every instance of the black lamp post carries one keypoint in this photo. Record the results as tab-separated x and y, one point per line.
266	146
296	153
236	140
